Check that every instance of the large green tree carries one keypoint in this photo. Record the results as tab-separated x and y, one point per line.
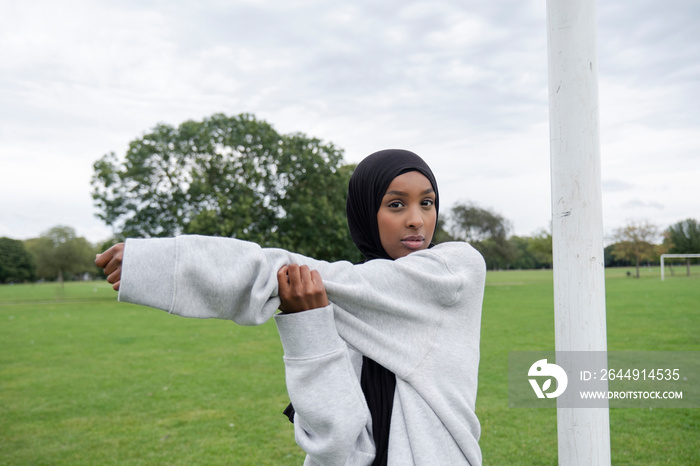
683	238
484	229
636	241
60	252
16	263
232	176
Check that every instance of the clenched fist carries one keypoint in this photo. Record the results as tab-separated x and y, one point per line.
300	289
111	262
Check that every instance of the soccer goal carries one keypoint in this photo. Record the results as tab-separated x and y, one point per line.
674	256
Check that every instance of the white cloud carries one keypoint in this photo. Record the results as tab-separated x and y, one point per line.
637	204
615	185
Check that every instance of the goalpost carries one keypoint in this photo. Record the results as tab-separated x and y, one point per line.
674	256
577	224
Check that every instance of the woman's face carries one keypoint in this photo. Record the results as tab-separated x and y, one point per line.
406	216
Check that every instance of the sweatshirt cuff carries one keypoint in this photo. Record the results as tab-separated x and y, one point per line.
148	272
308	334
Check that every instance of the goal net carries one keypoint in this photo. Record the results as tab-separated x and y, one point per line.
674	256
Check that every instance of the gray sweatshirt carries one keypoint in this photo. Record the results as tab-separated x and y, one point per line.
419	316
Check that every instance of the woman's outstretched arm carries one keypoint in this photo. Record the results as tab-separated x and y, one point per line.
197	276
380	307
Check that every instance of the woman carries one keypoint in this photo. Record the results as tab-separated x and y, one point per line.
412	311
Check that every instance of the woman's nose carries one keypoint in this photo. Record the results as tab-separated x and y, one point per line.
414	219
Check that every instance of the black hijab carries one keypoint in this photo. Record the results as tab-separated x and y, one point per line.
367	187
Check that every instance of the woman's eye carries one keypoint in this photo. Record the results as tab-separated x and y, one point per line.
428	202
396	205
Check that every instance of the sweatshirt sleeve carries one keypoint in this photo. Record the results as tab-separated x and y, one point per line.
332	421
381	307
202	277
226	278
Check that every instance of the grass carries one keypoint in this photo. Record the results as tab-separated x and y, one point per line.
642	315
85	380
91	381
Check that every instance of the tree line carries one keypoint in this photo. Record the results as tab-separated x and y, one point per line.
236	176
58	254
644	242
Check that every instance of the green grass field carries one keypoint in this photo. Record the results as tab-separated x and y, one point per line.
85	380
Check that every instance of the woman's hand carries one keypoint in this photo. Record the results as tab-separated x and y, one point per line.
300	289
111	262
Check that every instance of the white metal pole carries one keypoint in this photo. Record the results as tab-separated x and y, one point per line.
662	267
577	225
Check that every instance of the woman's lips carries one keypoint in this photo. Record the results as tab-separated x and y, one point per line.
413	242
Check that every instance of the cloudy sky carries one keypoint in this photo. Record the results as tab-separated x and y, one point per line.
461	82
